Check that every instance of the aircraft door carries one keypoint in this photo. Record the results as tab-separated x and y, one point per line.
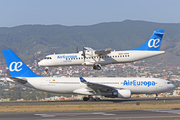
160	84
43	82
132	56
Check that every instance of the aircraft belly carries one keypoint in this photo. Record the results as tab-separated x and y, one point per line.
105	62
138	55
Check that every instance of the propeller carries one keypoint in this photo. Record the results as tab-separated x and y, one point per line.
83	53
77	49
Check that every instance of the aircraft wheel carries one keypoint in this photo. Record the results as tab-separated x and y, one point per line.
91	99
94	67
156	98
98	99
85	98
98	68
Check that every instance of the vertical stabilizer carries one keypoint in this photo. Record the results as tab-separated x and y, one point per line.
16	66
154	43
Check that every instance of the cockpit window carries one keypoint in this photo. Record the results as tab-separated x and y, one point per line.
169	83
47	58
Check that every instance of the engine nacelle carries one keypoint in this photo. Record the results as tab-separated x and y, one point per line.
87	63
122	93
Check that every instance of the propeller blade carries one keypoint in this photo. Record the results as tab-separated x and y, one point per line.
84	53
77	49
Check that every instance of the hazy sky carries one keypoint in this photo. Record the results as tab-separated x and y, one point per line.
86	12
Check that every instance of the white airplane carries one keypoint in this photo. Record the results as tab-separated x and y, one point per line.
108	87
98	58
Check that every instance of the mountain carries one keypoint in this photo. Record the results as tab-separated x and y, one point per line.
36	41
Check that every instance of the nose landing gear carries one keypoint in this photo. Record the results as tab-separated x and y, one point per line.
156	98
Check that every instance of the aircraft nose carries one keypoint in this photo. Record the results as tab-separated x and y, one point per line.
174	86
40	63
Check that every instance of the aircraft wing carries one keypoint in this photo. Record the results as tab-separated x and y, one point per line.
103	52
19	80
96	86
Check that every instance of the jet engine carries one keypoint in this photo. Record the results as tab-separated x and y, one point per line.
125	93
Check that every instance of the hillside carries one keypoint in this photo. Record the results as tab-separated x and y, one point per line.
27	40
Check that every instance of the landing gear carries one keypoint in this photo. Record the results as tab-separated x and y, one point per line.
97	67
85	98
156	98
97	99
46	69
91	99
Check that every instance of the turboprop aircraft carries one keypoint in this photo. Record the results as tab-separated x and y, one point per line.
108	87
98	58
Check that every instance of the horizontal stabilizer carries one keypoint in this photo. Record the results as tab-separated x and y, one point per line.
19	80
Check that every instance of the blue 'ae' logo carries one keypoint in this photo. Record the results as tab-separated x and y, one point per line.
153	43
15	66
138	83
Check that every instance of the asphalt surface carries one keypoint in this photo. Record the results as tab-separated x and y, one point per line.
169	114
156	114
107	101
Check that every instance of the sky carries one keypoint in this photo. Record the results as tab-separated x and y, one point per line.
86	12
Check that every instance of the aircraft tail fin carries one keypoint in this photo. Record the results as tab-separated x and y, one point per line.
16	66
154	43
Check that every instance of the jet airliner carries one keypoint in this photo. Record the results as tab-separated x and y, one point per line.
98	58
108	87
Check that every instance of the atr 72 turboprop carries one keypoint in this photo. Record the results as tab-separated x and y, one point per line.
90	57
108	87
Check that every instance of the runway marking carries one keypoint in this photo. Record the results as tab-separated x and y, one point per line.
45	115
72	114
172	111
102	113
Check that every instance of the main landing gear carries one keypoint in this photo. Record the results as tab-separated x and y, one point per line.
97	67
156	98
90	98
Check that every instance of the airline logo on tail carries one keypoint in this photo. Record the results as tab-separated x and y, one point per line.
15	66
153	43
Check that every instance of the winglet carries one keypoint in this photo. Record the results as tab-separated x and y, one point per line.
82	79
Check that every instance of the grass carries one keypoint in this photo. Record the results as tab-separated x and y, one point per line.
86	107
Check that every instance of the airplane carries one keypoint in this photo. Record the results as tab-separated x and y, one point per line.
109	87
98	58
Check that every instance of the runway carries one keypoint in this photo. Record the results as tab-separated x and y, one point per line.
149	114
169	114
106	101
